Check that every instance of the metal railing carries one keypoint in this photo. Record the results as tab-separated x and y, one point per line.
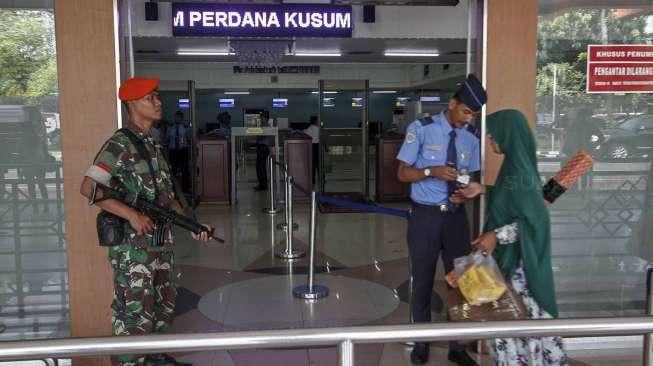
345	338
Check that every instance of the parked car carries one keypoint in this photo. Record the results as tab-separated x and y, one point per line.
51	121
544	121
631	138
585	134
16	131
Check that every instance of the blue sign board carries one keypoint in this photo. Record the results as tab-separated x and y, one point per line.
183	104
236	20
226	103
329	102
429	99
279	102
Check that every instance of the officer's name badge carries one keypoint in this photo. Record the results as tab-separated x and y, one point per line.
433	147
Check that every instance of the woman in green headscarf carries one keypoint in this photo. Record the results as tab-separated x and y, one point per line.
518	221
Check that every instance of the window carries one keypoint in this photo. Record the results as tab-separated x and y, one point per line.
602	226
33	266
647	123
631	124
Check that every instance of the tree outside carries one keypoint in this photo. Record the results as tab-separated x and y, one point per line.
27	57
562	67
562	47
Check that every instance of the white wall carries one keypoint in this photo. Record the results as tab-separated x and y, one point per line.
436	73
413	22
220	76
145	28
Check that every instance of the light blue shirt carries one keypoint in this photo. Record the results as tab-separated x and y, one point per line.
177	136
426	144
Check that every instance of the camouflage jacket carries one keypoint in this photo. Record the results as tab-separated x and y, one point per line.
119	166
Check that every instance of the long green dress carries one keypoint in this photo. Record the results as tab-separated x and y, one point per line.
516	209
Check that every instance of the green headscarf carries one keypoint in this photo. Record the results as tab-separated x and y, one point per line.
517	197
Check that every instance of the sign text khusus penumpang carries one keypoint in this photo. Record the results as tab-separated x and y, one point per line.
620	68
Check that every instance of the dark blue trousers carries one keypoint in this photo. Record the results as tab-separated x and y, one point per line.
432	233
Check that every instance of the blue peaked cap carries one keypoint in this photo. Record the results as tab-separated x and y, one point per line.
471	93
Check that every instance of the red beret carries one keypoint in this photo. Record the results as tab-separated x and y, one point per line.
137	87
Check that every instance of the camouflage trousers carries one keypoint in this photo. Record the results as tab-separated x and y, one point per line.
143	294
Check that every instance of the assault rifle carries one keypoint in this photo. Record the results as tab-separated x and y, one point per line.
160	215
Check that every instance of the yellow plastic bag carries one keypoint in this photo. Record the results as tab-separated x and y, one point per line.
479	278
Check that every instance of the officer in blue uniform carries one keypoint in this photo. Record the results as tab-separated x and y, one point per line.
437	155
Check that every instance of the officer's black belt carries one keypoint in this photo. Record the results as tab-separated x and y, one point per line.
441	207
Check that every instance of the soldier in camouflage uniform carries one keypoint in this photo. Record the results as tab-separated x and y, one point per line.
144	281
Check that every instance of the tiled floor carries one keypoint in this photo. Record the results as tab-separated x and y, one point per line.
362	258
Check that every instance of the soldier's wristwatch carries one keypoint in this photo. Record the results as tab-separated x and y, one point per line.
427	172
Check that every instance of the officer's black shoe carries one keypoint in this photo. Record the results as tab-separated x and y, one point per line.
163	360
260	188
420	353
156	360
461	358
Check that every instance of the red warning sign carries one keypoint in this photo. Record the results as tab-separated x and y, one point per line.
620	69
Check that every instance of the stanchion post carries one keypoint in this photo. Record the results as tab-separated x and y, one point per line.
346	353
272	210
289	252
410	291
410	297
311	291
285	192
282	225
311	243
286	184
290	218
648	338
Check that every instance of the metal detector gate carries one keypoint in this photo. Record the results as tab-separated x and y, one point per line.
341	134
237	132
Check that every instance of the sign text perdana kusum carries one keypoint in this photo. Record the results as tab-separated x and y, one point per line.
264	19
261	20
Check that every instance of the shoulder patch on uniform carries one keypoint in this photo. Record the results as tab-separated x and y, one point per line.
425	121
411	137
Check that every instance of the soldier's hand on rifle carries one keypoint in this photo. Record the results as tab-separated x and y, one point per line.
141	223
204	235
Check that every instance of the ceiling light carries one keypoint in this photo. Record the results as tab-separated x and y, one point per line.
411	54
326	92
203	53
236	93
318	54
384	91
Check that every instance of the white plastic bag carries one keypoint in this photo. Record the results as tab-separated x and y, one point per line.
479	278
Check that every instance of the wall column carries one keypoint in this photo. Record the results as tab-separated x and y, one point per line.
511	63
86	62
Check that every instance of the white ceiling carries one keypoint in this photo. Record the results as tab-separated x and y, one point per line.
164	49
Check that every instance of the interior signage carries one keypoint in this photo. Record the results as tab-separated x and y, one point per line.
183	103
299	69
620	68
223	20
